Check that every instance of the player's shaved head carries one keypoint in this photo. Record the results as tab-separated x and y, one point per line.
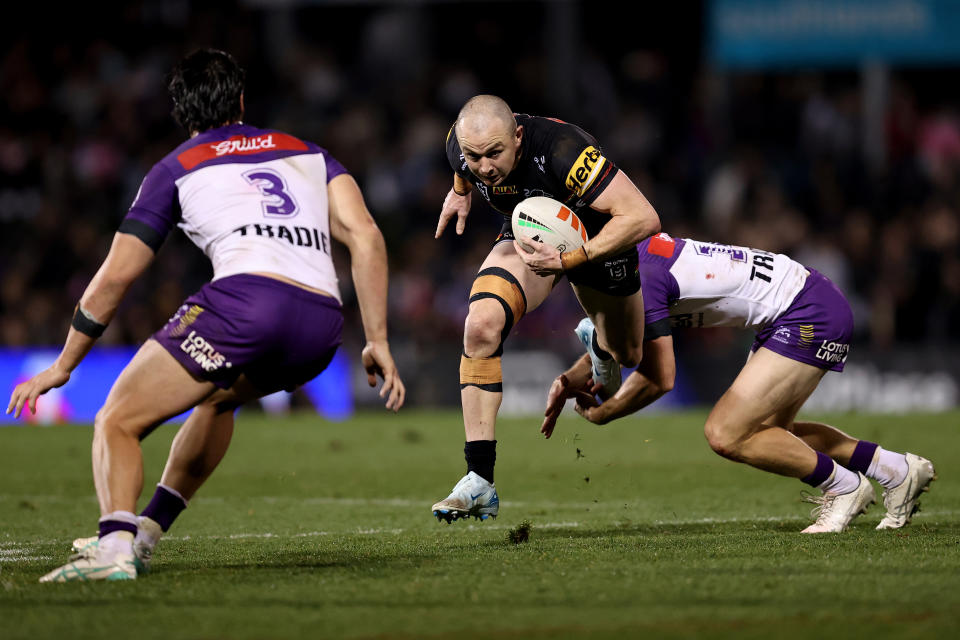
484	112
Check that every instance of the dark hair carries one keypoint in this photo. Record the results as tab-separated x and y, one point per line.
206	88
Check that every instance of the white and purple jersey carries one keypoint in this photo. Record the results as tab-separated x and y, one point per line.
702	284
253	200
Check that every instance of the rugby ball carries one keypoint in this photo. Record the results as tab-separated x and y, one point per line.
546	220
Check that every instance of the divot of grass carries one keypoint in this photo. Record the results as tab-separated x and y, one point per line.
520	533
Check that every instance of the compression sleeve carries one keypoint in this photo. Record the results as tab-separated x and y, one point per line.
155	210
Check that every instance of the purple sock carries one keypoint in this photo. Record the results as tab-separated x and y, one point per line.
822	471
109	526
862	456
164	507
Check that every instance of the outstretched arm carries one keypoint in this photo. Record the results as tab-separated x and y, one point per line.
128	258
652	379
352	224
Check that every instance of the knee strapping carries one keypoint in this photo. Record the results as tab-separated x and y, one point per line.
500	285
484	373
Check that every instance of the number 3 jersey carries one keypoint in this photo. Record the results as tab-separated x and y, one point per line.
701	284
253	200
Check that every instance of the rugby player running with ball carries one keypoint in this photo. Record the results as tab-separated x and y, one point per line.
506	158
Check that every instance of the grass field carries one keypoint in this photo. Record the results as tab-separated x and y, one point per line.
319	530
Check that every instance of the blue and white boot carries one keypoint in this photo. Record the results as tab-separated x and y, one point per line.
606	371
472	496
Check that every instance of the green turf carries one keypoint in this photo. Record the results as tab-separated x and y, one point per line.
312	529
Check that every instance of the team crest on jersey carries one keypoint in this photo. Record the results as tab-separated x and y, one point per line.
505	190
585	170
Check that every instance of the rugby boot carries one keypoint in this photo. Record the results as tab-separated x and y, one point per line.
91	564
148	535
472	496
834	512
606	371
901	501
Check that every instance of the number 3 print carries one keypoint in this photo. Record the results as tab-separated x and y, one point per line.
277	203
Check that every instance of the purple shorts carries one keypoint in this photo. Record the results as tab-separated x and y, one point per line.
815	329
278	335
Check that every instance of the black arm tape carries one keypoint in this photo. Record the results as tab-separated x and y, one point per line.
150	236
657	329
87	326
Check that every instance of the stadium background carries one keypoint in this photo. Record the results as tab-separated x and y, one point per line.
840	146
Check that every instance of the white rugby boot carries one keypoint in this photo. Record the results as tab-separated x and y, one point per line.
606	372
472	496
834	512
901	501
91	564
148	535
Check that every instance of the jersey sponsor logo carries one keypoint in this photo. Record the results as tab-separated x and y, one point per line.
203	353
661	245
239	146
737	254
585	170
505	190
830	351
296	236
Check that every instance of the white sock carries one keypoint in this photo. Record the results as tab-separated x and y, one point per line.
889	468
841	481
118	543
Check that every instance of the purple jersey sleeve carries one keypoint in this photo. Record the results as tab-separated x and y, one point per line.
156	208
334	168
659	288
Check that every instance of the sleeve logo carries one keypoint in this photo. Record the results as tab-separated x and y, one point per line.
585	170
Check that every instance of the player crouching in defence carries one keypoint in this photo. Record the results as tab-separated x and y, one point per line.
803	325
507	158
262	205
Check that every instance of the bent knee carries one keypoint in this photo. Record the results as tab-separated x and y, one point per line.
112	420
722	440
482	332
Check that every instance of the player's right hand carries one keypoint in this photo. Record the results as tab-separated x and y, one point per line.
454	205
26	393
377	361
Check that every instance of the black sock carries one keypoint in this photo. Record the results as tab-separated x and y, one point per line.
481	455
603	355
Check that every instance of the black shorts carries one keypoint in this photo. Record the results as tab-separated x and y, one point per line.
617	275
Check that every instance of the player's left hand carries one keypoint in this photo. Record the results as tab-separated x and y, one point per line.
543	259
378	361
26	393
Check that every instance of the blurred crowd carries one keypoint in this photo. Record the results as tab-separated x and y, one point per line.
774	161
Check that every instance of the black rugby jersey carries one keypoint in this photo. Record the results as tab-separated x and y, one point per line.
557	159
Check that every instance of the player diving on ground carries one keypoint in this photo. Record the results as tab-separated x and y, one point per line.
803	324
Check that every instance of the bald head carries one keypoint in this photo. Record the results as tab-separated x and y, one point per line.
485	112
489	138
